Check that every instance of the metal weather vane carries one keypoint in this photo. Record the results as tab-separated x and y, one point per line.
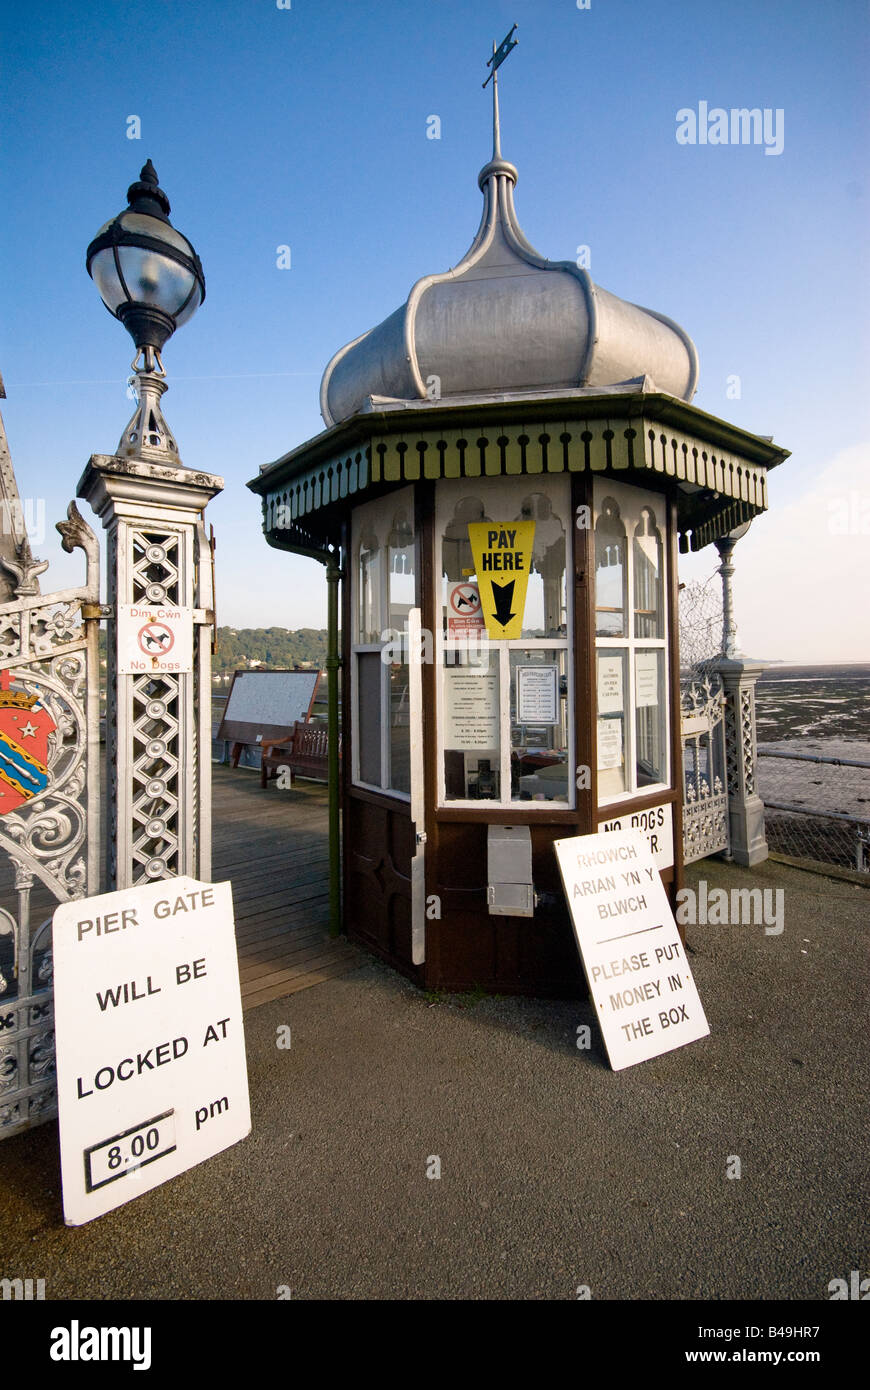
499	54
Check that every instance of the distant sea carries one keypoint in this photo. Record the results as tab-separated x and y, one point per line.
822	710
814	702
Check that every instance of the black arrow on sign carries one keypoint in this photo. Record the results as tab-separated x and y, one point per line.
503	595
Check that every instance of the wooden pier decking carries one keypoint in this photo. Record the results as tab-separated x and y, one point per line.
273	845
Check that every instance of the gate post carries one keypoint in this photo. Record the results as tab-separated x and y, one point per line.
745	807
158	725
739	674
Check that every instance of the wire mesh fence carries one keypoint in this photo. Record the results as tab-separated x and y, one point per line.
823	838
828	837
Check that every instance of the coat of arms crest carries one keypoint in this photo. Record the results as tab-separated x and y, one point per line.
25	727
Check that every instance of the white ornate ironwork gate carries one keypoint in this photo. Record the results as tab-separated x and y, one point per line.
705	778
49	799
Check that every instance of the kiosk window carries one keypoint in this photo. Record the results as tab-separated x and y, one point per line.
610	571
384	583
611	685
648	587
369	676
504	732
539	734
631	658
370	578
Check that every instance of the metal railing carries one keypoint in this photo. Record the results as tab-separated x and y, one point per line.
826	837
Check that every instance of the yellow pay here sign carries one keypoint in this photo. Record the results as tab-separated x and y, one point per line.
502	559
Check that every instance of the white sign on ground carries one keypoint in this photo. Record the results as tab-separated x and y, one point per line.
638	976
151	1071
154	638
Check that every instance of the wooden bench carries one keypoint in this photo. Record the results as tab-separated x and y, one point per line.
305	753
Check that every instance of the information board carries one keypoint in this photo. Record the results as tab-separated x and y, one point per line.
151	1071
265	705
636	968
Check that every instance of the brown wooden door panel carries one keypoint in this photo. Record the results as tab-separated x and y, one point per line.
379	844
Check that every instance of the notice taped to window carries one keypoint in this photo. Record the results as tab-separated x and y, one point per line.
609	744
636	968
609	684
646	679
151	1071
471	709
537	694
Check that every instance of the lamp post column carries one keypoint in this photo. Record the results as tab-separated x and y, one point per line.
158	704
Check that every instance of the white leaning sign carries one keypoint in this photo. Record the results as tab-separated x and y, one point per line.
638	976
151	1071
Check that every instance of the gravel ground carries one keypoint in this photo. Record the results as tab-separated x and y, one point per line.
555	1171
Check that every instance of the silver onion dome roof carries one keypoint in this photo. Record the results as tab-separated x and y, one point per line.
506	320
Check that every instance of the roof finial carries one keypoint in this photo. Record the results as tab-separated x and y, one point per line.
498	56
497	163
496	127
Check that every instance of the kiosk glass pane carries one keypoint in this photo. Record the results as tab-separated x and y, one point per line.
545	612
610	572
539	733
400	728
400	564
647	557
650	727
612	688
472	726
632	631
370	587
369	672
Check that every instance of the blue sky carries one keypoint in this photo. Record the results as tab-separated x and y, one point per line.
307	127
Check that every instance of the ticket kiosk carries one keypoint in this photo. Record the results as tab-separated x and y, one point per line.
510	464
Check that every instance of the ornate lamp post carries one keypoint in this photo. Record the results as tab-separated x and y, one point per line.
158	726
151	279
725	545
